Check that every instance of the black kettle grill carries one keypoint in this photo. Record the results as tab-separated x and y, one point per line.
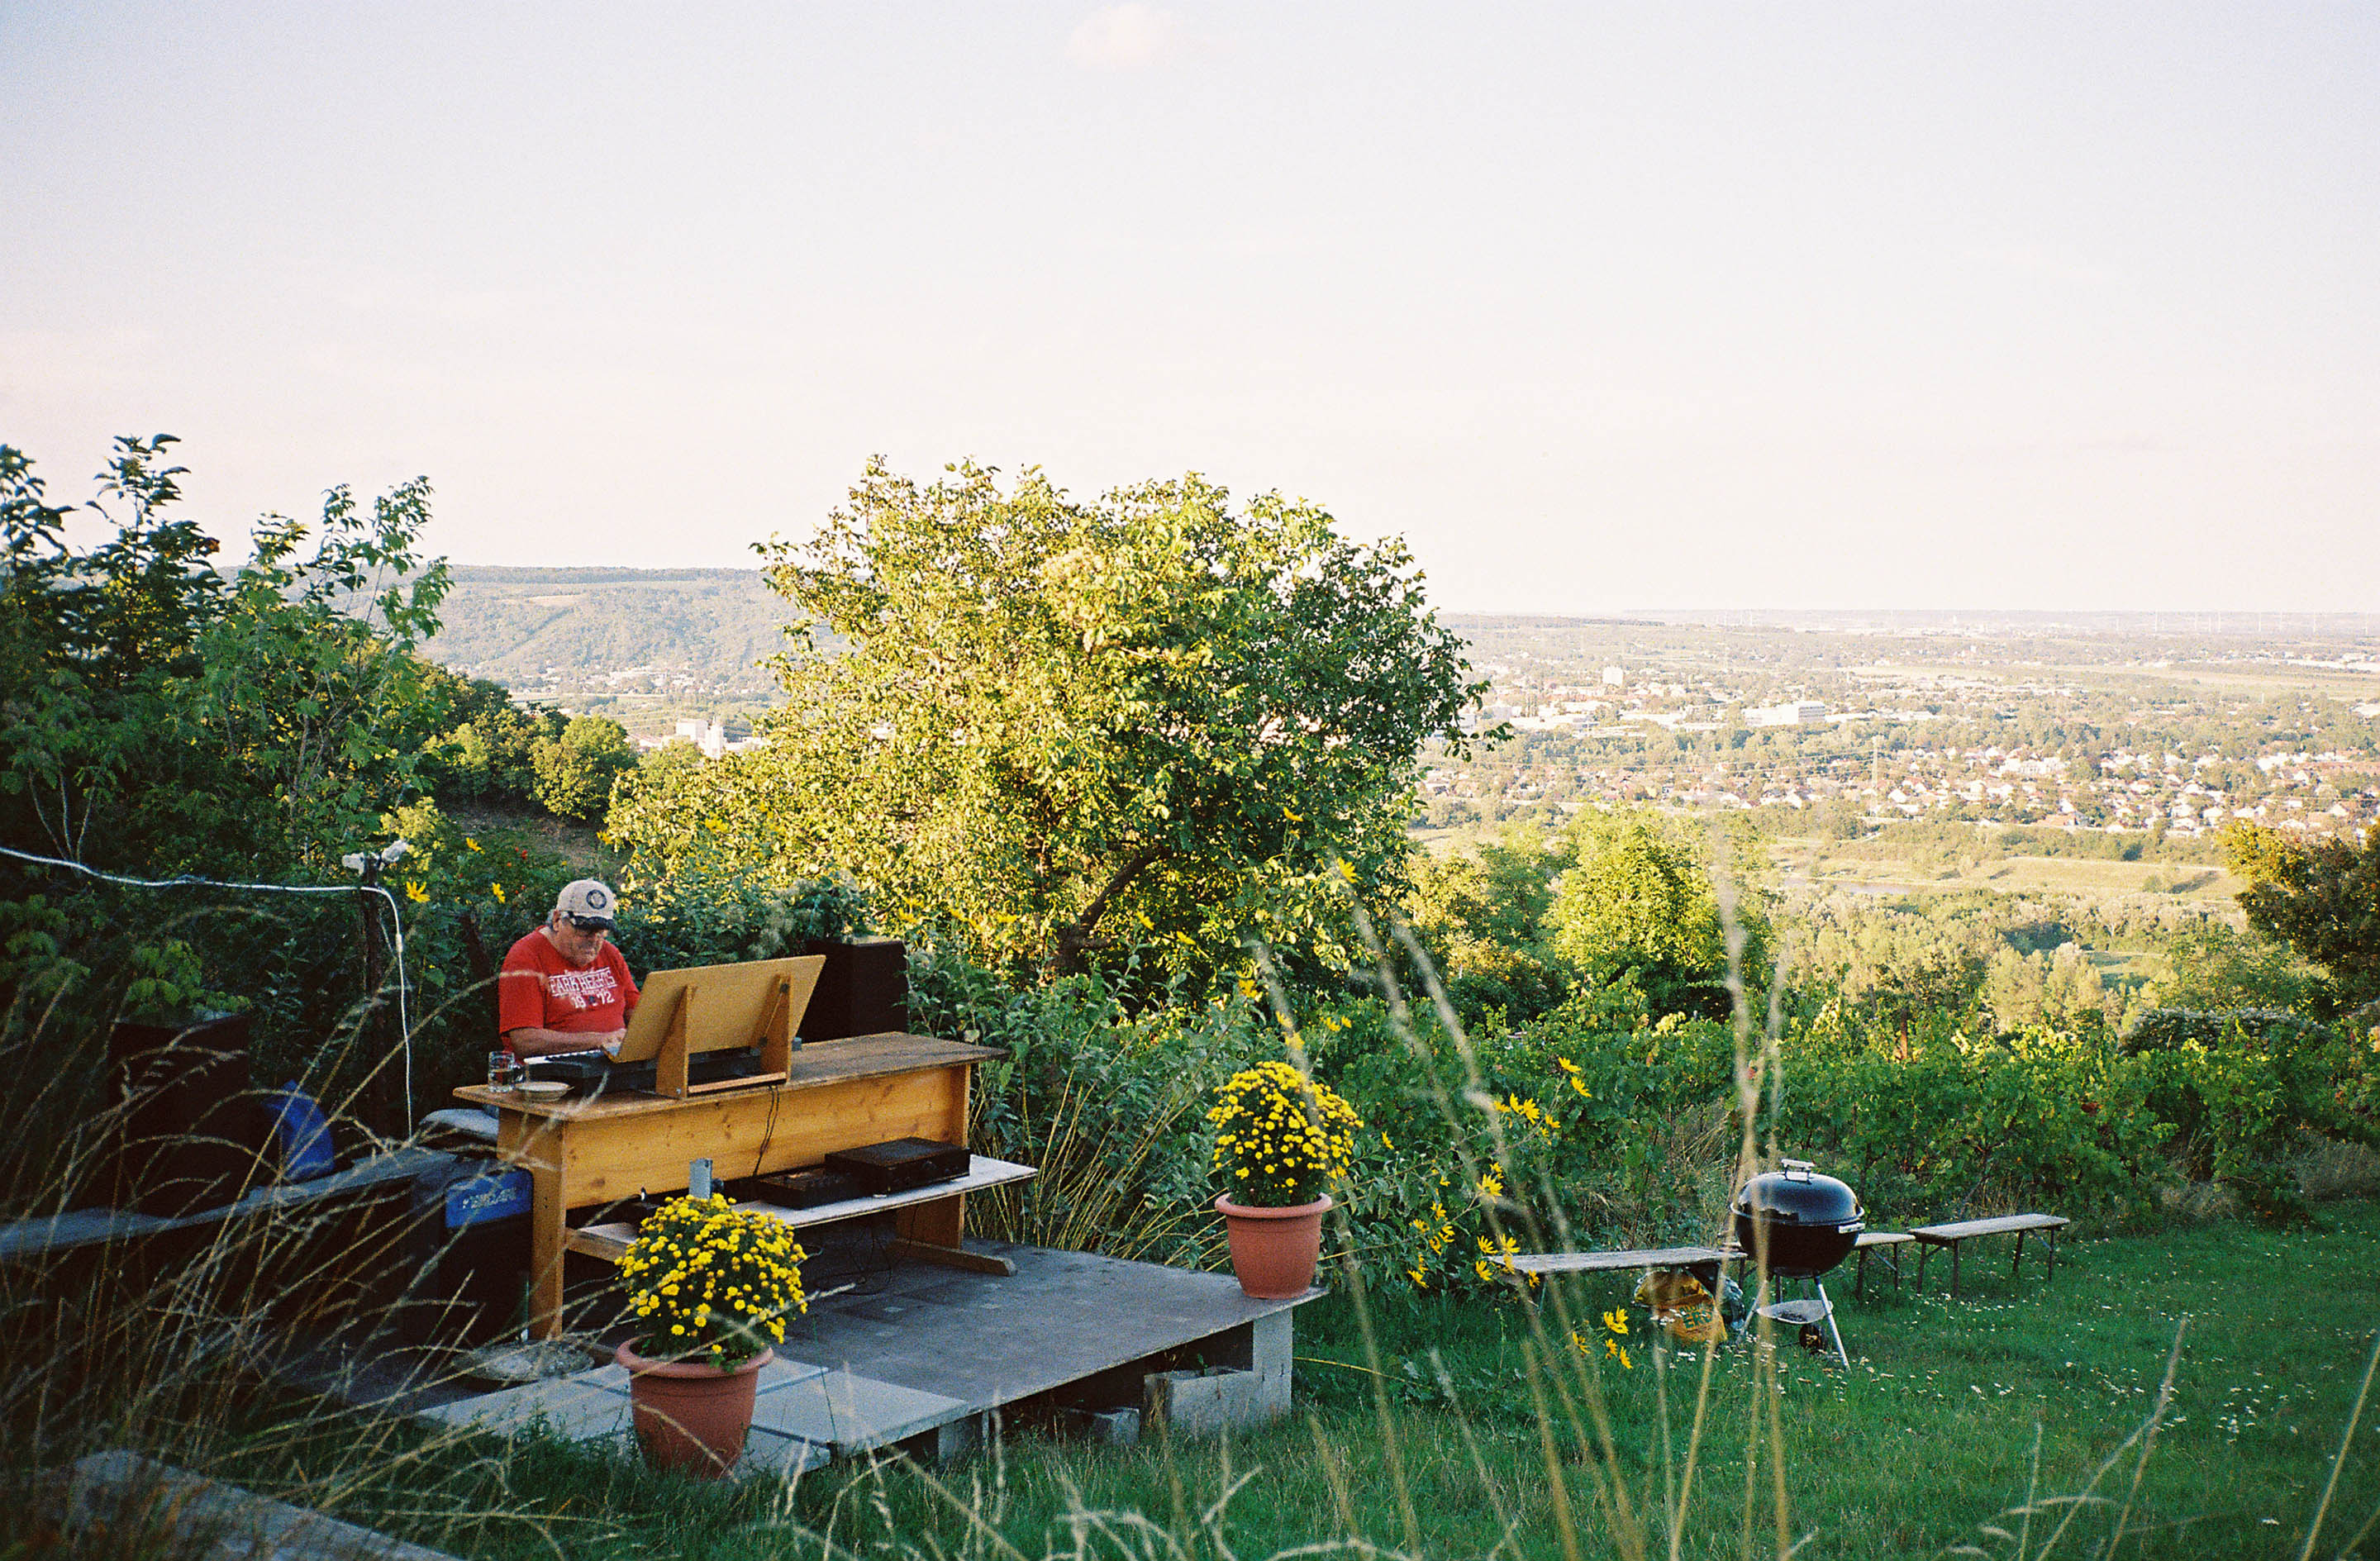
1801	1224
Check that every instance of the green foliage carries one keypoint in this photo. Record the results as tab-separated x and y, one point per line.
1483	918
2216	968
2061	990
714	626
1070	728
162	714
575	771
477	745
717	911
1638	903
159	716
1105	1097
2322	897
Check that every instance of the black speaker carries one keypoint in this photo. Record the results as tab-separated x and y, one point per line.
193	1137
863	991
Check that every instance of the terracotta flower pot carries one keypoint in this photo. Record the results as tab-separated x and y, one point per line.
1274	1251
691	1415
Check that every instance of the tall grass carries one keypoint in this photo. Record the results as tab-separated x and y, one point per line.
182	1351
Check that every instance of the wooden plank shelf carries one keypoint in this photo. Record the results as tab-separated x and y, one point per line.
610	1241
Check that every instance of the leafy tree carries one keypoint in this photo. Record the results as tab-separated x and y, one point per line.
2215	969
160	713
1637	903
1482	918
1072	726
575	771
2321	897
477	745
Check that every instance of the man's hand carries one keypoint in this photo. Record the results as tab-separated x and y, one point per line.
536	1041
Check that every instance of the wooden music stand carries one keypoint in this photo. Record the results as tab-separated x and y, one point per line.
720	1008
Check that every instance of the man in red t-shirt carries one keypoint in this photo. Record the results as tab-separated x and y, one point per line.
563	987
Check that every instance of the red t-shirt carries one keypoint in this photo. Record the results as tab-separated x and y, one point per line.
538	987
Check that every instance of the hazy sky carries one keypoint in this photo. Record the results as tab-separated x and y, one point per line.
1799	306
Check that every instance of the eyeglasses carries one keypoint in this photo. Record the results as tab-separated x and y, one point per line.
588	924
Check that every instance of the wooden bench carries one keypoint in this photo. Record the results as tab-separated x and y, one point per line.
1886	1241
610	1242
2016	1225
1630	1258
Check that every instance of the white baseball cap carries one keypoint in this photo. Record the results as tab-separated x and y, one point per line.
587	902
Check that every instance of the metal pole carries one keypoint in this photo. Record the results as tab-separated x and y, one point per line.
373	1030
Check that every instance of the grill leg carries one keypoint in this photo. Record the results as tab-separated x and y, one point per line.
1833	1332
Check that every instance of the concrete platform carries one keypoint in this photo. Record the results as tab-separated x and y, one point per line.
923	1358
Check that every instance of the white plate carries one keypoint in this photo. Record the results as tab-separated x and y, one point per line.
543	1089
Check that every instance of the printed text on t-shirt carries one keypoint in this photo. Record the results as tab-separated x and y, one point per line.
588	989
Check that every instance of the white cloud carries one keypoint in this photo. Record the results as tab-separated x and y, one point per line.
1127	37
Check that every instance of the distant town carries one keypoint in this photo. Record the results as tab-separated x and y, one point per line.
2158	724
2140	735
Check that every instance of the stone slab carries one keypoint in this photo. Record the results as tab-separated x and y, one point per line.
916	1349
1621	1261
33	1239
851	1413
126	1493
576	1409
1062	1317
594	1407
766	1452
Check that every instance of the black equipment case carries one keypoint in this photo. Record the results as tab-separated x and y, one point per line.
900	1164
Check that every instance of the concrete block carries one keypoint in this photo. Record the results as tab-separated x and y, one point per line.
956	1438
1263	1348
1201	1403
1107	1428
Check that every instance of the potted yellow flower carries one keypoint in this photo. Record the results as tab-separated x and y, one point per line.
710	1289
1281	1140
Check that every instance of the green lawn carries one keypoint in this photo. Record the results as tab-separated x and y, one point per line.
1437	1444
1929	1438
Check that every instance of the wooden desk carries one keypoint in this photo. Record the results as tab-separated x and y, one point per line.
841	1094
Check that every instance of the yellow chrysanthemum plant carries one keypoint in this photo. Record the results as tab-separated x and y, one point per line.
1281	1139
706	1281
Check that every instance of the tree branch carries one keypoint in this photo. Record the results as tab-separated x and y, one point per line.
1074	940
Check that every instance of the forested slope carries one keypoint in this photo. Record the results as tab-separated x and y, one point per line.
590	624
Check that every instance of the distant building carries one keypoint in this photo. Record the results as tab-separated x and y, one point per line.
710	736
1802	712
1614	677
